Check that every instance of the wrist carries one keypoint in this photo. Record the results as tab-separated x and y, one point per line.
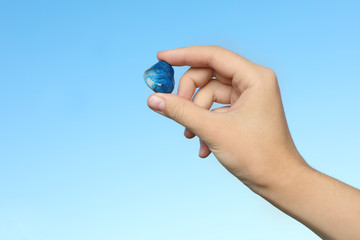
288	175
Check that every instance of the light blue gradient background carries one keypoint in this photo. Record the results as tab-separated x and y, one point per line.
82	156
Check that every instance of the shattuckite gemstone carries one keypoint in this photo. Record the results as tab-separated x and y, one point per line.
160	77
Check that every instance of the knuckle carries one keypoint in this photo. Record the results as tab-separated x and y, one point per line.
271	74
267	75
218	48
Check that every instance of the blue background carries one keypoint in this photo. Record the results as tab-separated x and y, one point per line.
82	156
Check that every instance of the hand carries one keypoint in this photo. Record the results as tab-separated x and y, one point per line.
249	137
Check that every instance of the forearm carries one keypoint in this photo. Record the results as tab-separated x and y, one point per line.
327	206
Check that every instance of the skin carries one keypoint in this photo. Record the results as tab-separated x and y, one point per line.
251	139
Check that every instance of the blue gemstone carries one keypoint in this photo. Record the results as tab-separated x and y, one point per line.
160	77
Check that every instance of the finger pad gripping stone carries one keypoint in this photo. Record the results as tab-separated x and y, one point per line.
160	77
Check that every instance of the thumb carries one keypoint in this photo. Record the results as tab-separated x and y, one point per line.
183	111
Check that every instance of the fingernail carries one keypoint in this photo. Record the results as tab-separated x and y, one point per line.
157	104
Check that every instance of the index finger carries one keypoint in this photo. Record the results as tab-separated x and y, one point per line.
223	61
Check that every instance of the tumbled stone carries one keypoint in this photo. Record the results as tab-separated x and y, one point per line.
160	77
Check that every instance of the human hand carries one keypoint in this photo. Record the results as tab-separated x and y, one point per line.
250	136
251	139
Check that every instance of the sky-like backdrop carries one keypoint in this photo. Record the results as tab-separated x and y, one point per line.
83	157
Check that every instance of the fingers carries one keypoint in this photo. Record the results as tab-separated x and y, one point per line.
204	149
213	91
223	61
192	79
197	119
196	78
188	133
187	113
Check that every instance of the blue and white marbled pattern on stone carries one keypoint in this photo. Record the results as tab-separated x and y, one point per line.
160	77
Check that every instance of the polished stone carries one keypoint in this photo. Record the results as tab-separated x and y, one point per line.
160	77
